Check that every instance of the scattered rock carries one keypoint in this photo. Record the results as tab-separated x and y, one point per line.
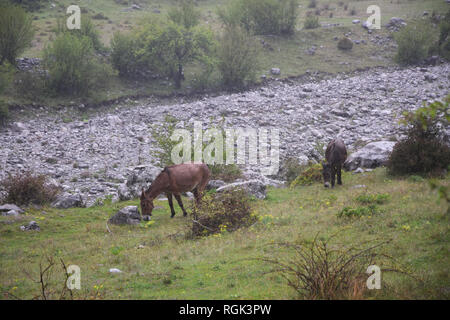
255	188
31	226
275	71
374	154
114	270
356	21
127	215
67	200
10	210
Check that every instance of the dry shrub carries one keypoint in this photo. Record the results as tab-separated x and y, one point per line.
227	173
27	188
318	270
220	212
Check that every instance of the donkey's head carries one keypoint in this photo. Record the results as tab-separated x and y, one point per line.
146	206
326	172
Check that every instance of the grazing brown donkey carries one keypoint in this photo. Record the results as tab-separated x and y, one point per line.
174	180
335	156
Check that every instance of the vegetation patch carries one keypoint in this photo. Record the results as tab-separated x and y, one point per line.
310	175
223	212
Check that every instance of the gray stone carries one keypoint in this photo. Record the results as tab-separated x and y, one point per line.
10	209
356	21
214	184
255	188
31	226
275	71
127	215
372	155
66	201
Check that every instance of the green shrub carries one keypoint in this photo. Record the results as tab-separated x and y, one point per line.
345	44
4	113
358	211
311	22
30	85
373	198
167	47
223	212
69	60
424	150
238	57
444	37
185	14
263	17
124	57
87	30
16	33
27	188
414	42
310	175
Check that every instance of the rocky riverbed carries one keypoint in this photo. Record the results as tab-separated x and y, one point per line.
93	157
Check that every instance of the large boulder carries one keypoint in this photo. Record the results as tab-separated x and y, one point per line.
127	215
255	188
138	177
374	154
10	210
67	200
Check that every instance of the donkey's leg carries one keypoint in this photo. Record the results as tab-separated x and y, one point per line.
180	203
197	196
172	210
333	176
339	172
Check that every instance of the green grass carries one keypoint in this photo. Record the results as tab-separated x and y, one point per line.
288	54
222	267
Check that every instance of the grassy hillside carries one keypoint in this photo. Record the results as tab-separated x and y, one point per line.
169	266
287	53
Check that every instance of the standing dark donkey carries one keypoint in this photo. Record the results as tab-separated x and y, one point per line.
174	180
335	155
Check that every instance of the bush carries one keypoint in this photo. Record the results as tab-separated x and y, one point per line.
223	212
224	172
265	17
311	174
30	85
424	150
4	113
124	57
87	30
185	14
291	169
373	198
320	269
16	33
345	44
69	60
26	188
311	22
167	47
414	42
444	39
238	57
358	211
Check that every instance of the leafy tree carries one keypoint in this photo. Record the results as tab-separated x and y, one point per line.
168	47
414	42
238	56
87	30
261	16
185	14
69	60
16	33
